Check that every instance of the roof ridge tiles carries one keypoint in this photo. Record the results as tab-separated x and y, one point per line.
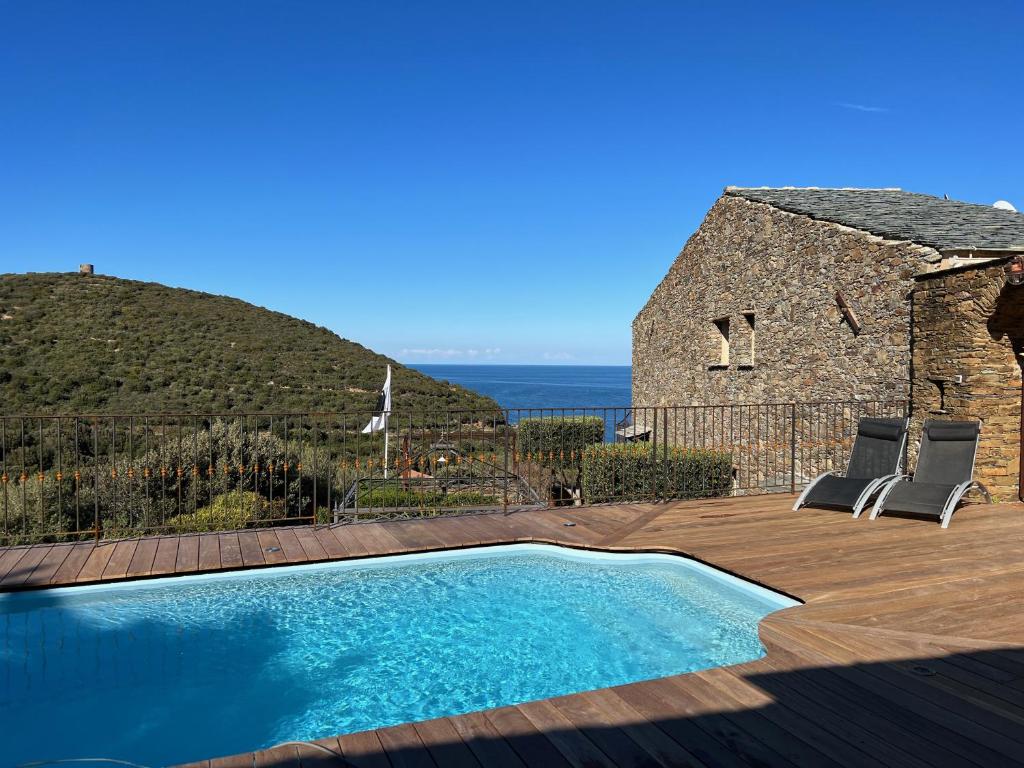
898	214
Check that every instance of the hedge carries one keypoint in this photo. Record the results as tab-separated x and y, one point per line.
559	440
391	496
632	471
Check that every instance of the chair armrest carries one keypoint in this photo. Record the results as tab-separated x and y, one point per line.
809	486
981	487
886	490
871	489
958	493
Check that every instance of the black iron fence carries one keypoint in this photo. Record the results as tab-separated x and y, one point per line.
64	478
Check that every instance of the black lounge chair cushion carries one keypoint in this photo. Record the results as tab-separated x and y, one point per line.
941	431
878	448
887	429
918	498
835	491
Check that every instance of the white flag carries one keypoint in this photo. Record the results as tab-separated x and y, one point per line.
379	420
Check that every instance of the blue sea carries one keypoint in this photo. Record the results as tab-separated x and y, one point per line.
541	386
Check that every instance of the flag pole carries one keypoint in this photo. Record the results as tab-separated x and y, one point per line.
379	417
387	418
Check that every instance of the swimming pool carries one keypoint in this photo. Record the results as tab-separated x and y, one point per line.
177	669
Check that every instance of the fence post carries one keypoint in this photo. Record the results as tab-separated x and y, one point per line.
654	452
96	479
505	429
792	447
664	444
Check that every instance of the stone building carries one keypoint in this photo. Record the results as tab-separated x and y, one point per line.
859	295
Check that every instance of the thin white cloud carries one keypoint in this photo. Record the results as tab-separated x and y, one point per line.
860	107
450	353
560	356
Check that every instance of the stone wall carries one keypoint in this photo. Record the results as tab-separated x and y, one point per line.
772	277
968	337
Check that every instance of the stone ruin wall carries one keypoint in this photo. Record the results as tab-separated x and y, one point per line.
968	339
773	276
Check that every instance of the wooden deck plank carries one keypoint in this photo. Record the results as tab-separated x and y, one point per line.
532	747
484	740
142	559
412	534
49	565
277	757
570	741
166	555
310	544
1004	736
209	552
604	732
606	706
23	568
230	551
455	531
9	558
270	546
483	528
663	709
73	564
188	555
252	552
374	538
314	758
233	761
290	546
364	750
848	682
797	738
345	534
549	527
444	744
121	559
310	757
334	548
97	562
404	747
875	734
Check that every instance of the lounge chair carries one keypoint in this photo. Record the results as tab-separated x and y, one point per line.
875	460
945	472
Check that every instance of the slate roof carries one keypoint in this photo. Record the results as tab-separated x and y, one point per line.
898	215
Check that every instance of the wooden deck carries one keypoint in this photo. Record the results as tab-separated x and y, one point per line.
909	650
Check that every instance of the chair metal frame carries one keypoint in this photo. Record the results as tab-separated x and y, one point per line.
951	501
870	490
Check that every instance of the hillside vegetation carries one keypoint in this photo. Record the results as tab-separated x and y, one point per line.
71	343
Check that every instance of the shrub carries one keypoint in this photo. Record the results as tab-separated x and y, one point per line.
557	443
559	439
394	496
631	471
227	512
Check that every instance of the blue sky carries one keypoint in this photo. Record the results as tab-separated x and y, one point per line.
471	182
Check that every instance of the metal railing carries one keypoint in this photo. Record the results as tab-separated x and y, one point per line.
67	478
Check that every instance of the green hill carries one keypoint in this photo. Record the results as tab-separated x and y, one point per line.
71	343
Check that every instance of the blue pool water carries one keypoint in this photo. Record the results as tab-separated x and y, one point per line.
178	669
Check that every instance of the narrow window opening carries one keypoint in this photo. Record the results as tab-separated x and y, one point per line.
748	333
722	324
